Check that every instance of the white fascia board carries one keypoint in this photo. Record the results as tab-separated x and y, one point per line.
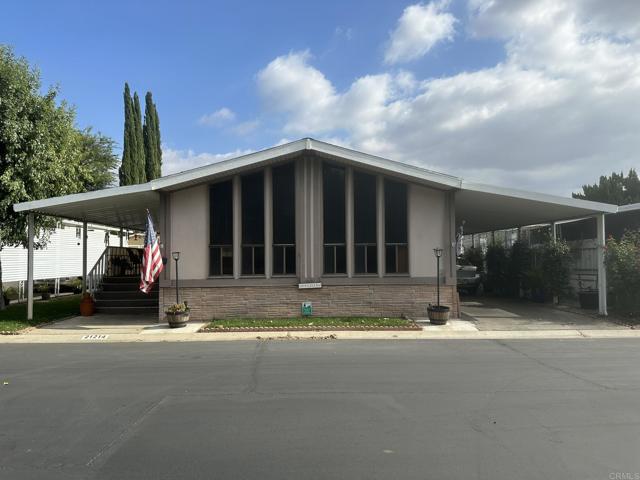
632	207
219	168
81	197
385	164
298	146
540	197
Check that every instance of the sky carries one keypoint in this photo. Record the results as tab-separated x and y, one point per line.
541	95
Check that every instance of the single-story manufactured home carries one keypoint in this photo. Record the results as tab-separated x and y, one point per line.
349	232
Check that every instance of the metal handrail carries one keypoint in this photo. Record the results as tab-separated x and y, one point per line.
114	261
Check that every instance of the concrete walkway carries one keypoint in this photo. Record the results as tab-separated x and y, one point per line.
514	323
499	314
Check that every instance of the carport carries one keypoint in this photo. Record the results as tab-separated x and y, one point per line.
486	208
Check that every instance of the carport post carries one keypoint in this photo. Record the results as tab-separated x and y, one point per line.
84	257
121	235
30	233
602	271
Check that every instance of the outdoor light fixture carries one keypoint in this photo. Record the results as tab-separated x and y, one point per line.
176	257
438	253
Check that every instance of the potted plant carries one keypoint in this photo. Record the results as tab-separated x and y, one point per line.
178	315
438	314
87	305
44	291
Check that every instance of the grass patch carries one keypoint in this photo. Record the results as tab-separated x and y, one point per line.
14	317
310	323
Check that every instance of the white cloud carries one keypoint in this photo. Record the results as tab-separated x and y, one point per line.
218	118
174	161
561	109
419	29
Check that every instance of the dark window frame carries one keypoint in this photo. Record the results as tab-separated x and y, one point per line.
219	248
338	248
365	243
256	249
400	248
283	250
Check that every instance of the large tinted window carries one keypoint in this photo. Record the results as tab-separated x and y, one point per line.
221	229
364	217
333	189
284	220
395	227
253	223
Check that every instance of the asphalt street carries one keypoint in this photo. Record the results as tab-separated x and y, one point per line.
433	409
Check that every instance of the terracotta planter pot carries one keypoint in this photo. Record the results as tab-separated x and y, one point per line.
87	306
438	315
177	320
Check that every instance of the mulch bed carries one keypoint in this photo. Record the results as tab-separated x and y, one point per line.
410	327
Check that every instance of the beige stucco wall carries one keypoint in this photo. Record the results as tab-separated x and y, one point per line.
190	231
428	226
428	229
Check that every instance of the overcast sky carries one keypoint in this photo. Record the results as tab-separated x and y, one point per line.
535	94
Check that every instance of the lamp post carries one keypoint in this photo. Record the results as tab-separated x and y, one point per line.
438	253
176	257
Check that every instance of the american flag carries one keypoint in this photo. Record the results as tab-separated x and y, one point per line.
151	258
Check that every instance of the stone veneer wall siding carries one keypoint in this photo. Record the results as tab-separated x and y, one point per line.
207	303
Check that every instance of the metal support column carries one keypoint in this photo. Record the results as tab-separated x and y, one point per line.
30	234
602	270
84	257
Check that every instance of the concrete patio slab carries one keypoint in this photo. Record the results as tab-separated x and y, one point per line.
499	314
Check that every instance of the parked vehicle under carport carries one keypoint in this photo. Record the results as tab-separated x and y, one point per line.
469	280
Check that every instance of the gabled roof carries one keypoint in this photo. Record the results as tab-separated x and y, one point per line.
483	207
281	152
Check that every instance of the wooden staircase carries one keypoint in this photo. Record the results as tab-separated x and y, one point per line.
114	282
122	295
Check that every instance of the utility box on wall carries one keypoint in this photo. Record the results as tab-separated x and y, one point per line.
307	309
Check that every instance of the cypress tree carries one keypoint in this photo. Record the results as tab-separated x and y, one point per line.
127	172
139	163
151	133
156	124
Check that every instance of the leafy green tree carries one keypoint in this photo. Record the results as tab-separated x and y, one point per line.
96	155
151	134
40	150
519	264
623	271
616	189
556	263
497	268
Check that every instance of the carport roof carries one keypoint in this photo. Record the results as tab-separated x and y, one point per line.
482	207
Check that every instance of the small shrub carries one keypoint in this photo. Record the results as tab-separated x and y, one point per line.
556	263
623	271
473	256
11	293
497	269
178	308
519	266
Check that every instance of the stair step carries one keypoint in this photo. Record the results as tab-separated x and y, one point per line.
128	310
124	295
143	302
122	287
122	279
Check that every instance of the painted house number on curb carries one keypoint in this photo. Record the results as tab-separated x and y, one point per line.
310	285
95	336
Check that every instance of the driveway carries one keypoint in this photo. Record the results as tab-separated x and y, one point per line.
101	324
509	314
443	409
